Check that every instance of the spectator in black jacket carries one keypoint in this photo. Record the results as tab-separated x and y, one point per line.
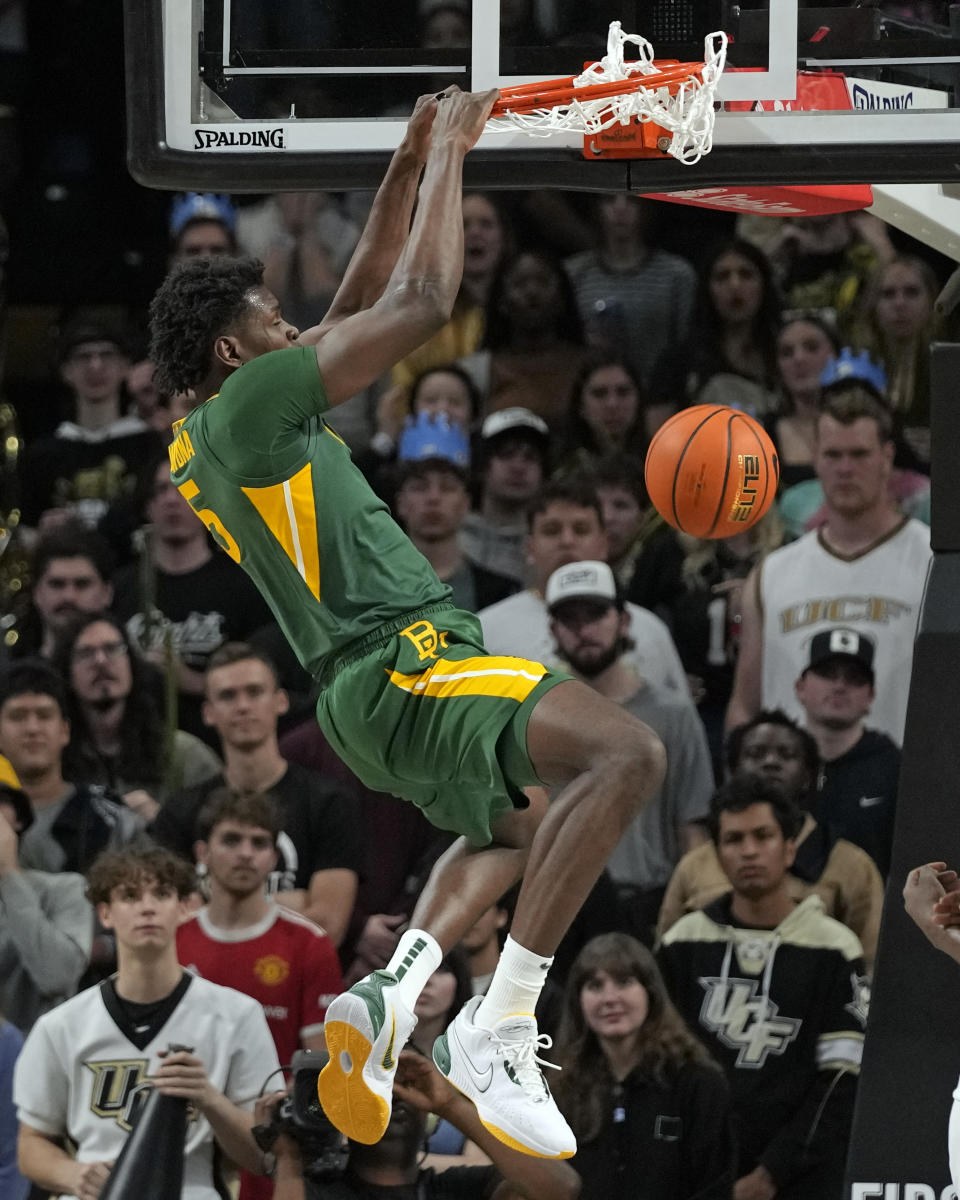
857	793
777	992
650	1108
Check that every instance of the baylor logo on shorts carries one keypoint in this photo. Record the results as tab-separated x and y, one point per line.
744	1021
425	637
116	1093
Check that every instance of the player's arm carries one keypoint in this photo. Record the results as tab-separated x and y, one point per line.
388	224
46	1164
747	680
419	295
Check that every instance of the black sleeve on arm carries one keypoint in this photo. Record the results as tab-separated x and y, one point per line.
341	842
816	1138
819	1131
709	1153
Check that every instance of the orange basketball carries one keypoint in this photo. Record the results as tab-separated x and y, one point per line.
711	471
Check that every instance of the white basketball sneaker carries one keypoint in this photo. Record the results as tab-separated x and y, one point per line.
365	1030
500	1072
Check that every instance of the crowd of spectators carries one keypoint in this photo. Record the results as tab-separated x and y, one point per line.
147	696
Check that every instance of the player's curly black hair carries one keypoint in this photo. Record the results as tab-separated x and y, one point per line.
197	302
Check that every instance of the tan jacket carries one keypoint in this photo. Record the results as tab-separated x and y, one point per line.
850	887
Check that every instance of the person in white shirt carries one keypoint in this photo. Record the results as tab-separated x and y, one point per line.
864	569
566	526
82	1069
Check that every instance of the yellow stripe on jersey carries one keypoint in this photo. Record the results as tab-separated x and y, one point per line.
289	511
507	678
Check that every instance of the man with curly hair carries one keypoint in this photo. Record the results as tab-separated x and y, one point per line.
83	1069
410	701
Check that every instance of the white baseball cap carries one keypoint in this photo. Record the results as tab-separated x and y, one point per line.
591	579
507	419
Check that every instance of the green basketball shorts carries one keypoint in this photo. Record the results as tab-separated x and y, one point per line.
426	714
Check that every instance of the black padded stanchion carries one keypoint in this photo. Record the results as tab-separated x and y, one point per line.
912	1053
150	1166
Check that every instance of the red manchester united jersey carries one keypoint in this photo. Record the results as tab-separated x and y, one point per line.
284	961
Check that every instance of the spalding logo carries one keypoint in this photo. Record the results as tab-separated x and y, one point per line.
233	139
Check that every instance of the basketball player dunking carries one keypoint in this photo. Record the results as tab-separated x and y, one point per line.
410	699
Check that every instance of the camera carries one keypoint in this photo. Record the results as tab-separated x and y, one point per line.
323	1149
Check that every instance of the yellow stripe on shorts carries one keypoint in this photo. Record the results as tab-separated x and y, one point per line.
507	678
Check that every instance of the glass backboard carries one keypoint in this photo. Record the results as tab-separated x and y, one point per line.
270	94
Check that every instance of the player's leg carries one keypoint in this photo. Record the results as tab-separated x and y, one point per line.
609	764
367	1026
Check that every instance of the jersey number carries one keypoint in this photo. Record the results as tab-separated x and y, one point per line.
188	489
288	510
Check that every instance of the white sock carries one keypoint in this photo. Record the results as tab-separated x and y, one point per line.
516	984
415	959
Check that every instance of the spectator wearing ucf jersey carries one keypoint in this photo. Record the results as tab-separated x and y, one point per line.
773	748
82	1067
777	992
864	568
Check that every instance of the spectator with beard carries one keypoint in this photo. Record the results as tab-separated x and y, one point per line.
590	623
775	749
319	845
565	525
71	570
73	822
857	795
200	599
118	738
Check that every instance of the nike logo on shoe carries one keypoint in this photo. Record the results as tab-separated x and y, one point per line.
388	1062
870	801
481	1079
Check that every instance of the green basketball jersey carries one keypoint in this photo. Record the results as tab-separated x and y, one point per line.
280	494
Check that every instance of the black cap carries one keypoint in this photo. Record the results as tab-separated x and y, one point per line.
82	332
841	643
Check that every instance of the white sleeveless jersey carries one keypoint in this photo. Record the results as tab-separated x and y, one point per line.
805	588
81	1069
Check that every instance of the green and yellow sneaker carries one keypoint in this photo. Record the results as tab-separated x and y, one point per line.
365	1029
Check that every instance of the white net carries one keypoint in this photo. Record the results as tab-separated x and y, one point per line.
687	114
